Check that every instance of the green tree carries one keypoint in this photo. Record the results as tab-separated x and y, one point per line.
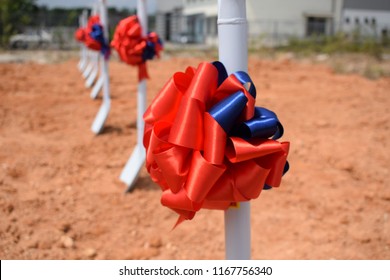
14	15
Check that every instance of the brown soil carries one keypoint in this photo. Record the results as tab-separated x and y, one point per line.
60	196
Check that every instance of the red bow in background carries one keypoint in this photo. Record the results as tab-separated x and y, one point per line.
207	144
80	35
134	49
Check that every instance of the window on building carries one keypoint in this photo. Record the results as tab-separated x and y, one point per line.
357	20
168	19
315	26
366	20
385	37
373	21
347	20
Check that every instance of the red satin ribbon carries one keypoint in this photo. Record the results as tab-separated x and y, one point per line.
80	35
190	156
89	41
130	44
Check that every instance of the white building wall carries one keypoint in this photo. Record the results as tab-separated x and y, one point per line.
290	17
169	19
166	6
207	7
367	22
275	18
201	20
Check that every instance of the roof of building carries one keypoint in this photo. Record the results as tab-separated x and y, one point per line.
383	5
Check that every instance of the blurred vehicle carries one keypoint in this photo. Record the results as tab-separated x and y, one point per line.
40	39
185	38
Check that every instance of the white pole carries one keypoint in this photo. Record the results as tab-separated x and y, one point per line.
102	115
141	97
233	53
137	159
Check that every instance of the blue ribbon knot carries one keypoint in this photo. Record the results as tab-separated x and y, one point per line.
150	50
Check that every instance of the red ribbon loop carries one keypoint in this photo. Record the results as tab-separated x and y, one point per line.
193	159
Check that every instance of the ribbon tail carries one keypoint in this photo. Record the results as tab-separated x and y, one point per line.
178	222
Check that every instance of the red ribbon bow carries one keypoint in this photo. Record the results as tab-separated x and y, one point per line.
191	157
90	42
130	44
80	35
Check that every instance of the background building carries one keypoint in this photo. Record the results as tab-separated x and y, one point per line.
201	20
169	19
274	22
369	18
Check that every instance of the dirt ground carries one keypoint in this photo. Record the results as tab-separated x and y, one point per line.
61	197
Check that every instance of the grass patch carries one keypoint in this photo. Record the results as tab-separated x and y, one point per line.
339	43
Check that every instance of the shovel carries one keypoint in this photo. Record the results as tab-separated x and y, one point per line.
98	123
136	161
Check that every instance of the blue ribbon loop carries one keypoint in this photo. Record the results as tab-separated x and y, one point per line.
222	73
98	35
228	110
245	80
264	124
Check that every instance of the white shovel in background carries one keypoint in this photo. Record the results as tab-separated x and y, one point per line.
83	49
233	53
98	123
92	55
98	85
90	79
95	69
88	68
82	58
137	159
